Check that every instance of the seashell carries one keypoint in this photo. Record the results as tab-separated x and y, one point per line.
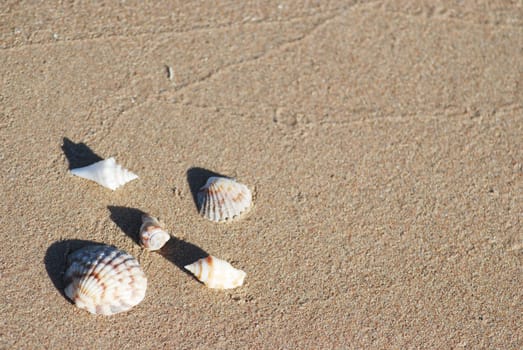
152	234
104	280
216	273
222	198
106	173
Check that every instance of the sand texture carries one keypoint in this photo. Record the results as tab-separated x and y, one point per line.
383	143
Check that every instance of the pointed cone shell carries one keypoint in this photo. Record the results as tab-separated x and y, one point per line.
216	273
222	198
104	280
106	173
152	234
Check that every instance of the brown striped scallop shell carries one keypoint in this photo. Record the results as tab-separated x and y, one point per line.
104	280
222	199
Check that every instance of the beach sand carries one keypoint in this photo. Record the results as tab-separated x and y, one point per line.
383	142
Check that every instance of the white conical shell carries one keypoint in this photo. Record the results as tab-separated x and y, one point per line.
152	234
222	198
104	280
216	273
106	173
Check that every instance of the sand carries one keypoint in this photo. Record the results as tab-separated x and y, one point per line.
383	142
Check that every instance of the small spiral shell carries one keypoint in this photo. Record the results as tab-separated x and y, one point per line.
106	173
104	280
152	234
216	273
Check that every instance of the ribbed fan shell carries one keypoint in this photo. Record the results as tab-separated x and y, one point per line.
104	280
222	199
